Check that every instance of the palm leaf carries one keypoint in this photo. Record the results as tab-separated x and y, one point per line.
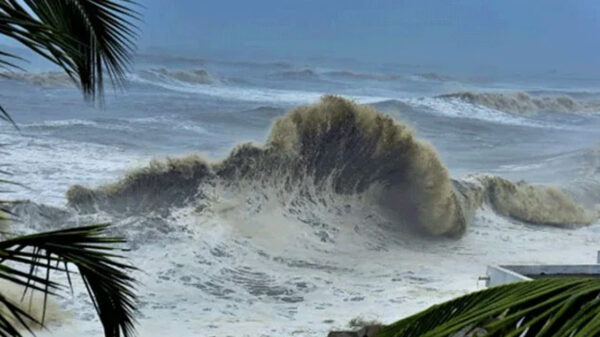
91	252
84	37
557	307
6	117
94	35
8	328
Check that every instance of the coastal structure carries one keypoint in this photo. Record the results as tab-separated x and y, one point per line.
502	274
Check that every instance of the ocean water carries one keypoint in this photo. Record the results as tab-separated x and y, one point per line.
297	242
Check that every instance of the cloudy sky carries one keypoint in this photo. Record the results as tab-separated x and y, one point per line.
505	35
516	34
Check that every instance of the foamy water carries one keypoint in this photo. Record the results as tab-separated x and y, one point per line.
252	257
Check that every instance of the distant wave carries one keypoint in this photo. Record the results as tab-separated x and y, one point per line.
166	59
524	104
309	74
160	58
267	112
192	76
335	150
60	79
231	92
306	74
433	77
63	123
266	65
44	79
456	108
362	76
579	94
348	75
250	94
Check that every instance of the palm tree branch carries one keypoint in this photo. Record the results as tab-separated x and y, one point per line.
8	328
84	37
108	284
545	307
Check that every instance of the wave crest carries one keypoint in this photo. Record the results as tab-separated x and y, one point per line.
525	104
192	76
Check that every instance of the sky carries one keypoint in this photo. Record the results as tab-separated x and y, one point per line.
462	35
544	35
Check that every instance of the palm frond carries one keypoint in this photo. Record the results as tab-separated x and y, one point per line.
6	213
6	117
91	252
6	64
84	37
557	307
8	327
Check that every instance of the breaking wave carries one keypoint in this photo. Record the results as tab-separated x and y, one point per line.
44	79
59	79
309	74
433	77
192	76
362	76
535	204
302	75
524	104
332	150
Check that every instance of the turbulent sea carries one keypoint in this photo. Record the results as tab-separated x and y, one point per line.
249	216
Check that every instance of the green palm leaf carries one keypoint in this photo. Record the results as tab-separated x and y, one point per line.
84	37
557	307
91	252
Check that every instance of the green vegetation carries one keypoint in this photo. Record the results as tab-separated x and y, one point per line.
552	307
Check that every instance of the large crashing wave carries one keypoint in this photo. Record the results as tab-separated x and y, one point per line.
525	104
337	147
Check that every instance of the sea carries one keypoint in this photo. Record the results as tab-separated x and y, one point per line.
276	198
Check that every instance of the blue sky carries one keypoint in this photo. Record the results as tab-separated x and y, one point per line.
506	34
